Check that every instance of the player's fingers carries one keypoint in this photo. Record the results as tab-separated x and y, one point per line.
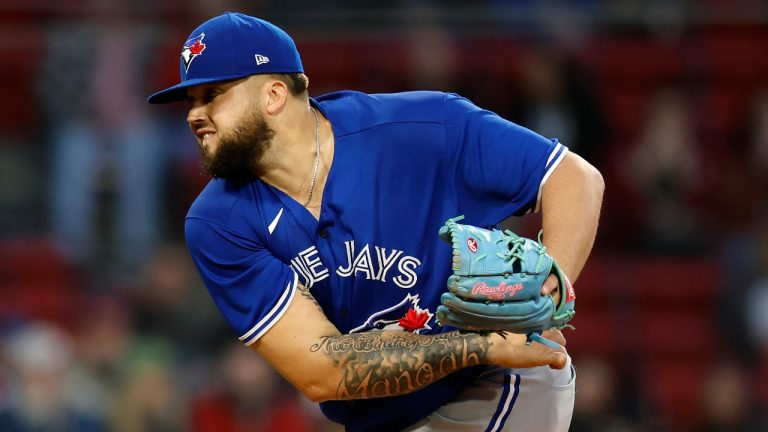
512	350
558	360
549	285
554	335
555	358
556	296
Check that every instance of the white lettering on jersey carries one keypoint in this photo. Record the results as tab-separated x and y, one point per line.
408	277
386	261
363	262
309	266
346	272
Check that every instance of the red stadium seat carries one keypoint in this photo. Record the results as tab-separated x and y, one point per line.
598	332
673	388
36	282
673	334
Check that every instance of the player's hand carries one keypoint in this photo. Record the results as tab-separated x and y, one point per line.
512	350
551	286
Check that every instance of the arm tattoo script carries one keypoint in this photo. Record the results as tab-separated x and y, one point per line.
304	291
378	364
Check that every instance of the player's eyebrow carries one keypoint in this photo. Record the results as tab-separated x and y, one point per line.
207	89
204	92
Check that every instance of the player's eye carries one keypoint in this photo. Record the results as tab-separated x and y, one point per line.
204	97
210	94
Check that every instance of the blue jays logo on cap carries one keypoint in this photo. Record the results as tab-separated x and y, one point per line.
229	47
192	48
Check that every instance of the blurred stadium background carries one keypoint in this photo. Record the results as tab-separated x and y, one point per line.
104	325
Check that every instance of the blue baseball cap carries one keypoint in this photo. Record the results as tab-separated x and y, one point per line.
231	46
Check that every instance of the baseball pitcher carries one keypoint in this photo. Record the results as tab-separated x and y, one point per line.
351	239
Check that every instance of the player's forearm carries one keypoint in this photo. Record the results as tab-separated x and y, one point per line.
571	202
308	351
379	364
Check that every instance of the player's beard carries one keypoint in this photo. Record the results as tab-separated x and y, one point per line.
239	151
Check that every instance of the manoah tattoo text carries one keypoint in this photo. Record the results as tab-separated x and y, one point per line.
378	364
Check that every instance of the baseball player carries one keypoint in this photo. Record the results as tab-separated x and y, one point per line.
317	237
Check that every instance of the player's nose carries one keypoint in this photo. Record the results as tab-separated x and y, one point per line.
196	113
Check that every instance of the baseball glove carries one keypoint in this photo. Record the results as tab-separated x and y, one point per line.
496	283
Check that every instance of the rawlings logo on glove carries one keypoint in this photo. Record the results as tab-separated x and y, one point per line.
496	283
496	292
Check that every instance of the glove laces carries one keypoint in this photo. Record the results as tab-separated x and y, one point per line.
516	244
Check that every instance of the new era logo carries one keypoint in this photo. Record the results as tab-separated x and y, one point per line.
260	59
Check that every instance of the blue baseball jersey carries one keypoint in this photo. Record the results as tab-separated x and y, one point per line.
403	164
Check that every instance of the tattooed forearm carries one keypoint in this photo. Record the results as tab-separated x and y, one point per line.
304	291
378	364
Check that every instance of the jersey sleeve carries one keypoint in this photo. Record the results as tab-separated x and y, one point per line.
251	288
499	167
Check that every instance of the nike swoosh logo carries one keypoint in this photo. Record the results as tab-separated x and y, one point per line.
275	221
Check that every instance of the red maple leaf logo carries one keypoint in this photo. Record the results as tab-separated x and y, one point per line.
414	320
197	47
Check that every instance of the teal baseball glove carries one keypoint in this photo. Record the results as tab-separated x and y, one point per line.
496	284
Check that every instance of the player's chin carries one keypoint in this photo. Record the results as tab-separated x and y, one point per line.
207	149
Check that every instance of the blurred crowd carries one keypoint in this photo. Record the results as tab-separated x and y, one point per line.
105	326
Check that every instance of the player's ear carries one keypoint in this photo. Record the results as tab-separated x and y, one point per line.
276	96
